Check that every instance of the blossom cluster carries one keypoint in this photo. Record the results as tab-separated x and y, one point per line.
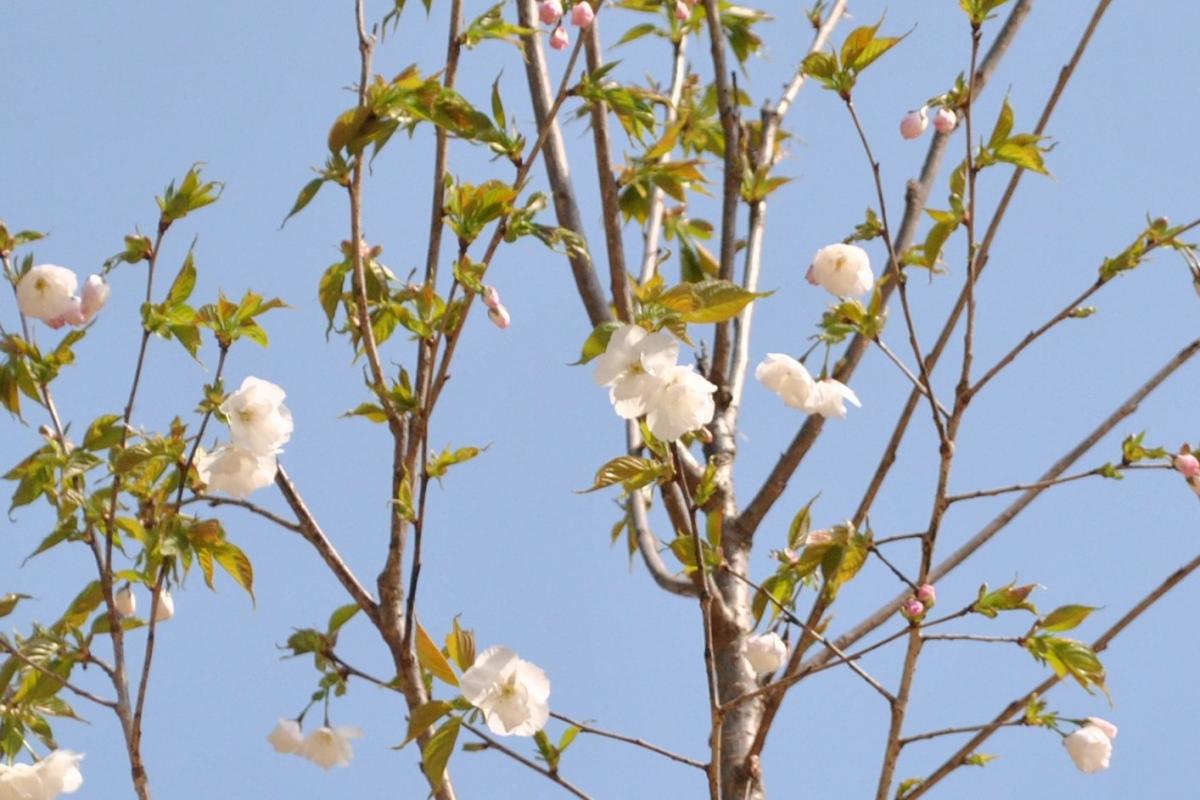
324	746
914	123
259	425
643	378
125	602
550	12
47	292
58	773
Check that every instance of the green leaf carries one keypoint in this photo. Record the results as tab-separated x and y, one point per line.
597	342
340	617
237	564
304	198
103	433
9	601
423	716
1006	598
632	472
978	759
431	657
460	645
1065	618
184	283
438	750
709	301
1004	126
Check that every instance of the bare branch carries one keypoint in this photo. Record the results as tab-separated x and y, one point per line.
495	744
312	533
609	201
732	179
916	382
1017	706
960	555
657	196
557	169
653	748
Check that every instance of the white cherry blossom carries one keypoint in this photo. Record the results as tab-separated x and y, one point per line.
258	420
330	747
1090	748
786	377
633	367
842	269
765	652
286	736
47	292
512	693
684	403
235	470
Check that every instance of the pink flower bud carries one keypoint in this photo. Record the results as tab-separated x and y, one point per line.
927	595
549	11
914	123
499	316
683	11
912	609
944	120
582	14
491	297
1104	725
1188	465
559	39
95	295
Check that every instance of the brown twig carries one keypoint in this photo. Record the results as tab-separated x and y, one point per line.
585	727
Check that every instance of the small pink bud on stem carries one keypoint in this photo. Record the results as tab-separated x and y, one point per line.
550	11
945	120
582	14
559	39
914	123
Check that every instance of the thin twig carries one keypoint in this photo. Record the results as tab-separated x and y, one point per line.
705	593
811	631
85	694
312	533
920	737
246	504
654	219
916	382
1021	487
494	744
620	737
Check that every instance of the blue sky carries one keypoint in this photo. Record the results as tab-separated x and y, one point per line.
104	106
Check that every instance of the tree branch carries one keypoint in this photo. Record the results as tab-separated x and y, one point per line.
494	744
1017	706
653	748
915	198
557	168
312	533
960	555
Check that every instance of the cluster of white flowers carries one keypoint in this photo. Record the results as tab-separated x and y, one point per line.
325	746
512	693
1090	747
57	773
643	377
787	377
126	604
47	292
259	425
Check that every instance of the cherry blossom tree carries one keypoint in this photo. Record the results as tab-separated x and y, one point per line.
669	300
